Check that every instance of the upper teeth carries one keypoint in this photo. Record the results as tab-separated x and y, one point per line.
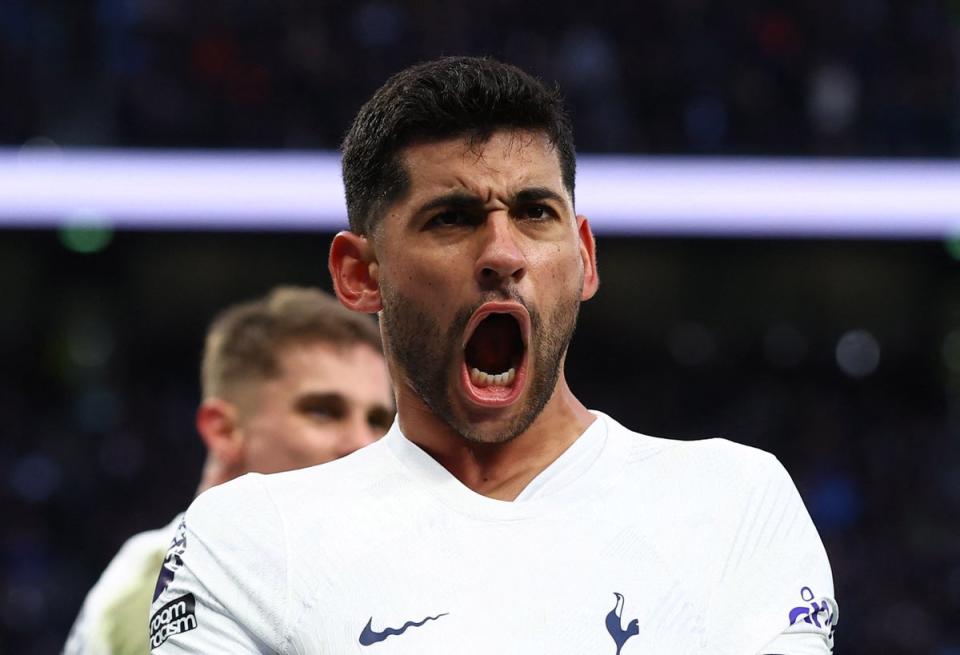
482	379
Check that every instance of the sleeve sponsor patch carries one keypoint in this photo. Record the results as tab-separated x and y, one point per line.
179	615
173	559
819	616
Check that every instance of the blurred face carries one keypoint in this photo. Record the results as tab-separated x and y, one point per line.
327	402
481	272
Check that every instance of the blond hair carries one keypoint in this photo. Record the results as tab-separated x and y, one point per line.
244	341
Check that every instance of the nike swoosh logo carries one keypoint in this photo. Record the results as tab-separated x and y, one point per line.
370	636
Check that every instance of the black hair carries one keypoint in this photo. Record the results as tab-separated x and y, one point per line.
439	100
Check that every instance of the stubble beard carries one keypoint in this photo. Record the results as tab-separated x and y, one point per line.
426	354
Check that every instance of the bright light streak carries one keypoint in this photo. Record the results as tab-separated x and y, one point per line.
270	190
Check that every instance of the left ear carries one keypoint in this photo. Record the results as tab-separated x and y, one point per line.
588	255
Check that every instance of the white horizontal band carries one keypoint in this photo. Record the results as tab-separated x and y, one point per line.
167	189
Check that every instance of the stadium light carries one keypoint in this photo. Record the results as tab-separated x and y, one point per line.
622	195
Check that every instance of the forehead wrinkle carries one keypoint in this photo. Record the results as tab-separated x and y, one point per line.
474	190
494	180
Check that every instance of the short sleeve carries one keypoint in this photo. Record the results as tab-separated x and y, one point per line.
775	590
223	583
113	613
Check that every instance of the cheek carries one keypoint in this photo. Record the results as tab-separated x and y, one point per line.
322	437
426	262
432	276
562	266
432	287
290	432
301	444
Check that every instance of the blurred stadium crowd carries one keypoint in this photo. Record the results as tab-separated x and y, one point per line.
855	77
841	358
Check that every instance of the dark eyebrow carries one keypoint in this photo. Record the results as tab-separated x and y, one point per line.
536	194
327	400
455	199
462	200
336	402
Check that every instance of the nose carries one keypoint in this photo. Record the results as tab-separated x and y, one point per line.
501	258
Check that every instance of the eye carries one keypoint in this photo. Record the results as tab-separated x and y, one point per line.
380	419
322	408
451	218
321	413
536	212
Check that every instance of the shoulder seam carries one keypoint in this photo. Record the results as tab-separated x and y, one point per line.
285	621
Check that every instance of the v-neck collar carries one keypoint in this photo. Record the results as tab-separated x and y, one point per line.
560	480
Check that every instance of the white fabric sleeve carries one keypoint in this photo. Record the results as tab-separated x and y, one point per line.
777	587
111	620
225	578
81	640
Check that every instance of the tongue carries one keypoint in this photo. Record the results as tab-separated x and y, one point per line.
493	343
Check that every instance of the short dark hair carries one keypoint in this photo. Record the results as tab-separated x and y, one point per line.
244	341
438	100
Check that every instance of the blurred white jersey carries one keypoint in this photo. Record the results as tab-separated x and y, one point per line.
111	620
625	545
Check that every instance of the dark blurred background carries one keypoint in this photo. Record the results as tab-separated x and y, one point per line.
852	77
841	357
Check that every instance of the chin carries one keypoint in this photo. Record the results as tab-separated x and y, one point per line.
482	428
489	438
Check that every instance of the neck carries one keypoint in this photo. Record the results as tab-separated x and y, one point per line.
214	473
497	470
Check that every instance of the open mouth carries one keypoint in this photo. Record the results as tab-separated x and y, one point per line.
495	353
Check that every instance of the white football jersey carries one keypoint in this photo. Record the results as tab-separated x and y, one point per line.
111	621
625	545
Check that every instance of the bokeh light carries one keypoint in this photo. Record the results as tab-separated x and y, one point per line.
858	353
85	233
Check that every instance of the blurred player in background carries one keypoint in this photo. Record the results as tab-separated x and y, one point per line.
499	514
290	380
